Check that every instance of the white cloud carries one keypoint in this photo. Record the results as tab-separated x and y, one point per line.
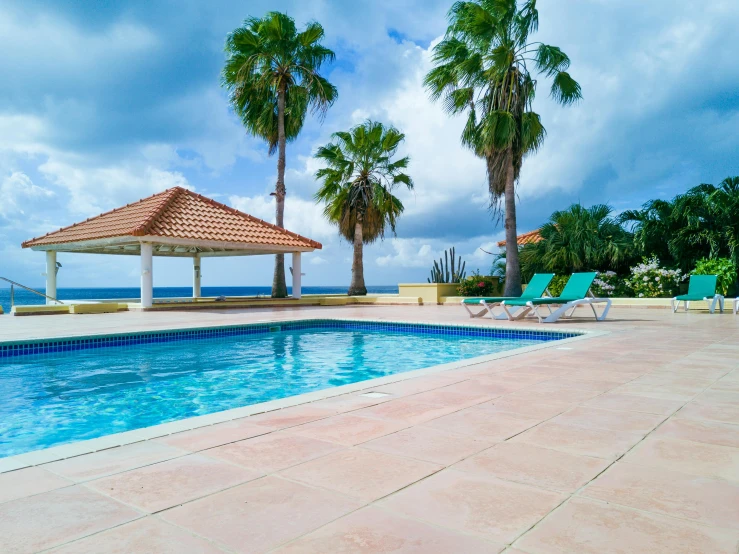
302	216
18	194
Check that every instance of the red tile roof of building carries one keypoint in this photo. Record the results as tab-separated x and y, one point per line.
181	214
531	237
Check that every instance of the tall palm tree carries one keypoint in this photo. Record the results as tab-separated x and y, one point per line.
482	68
580	239
357	187
272	75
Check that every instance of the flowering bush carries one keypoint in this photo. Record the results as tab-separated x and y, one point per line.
608	283
479	285
649	280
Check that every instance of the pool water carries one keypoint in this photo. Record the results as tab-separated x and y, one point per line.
54	398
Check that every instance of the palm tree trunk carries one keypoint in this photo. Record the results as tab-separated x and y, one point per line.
357	287
279	288
512	265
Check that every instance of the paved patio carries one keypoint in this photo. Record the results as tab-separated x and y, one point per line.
627	442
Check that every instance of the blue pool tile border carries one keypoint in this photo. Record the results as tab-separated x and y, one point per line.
50	346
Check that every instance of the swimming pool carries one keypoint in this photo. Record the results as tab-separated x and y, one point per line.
65	390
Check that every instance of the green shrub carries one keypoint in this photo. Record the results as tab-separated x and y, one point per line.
649	280
724	268
558	284
608	283
479	285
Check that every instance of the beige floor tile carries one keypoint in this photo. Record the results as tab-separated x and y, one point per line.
711	432
485	424
349	429
708	460
708	501
273	452
57	517
531	465
491	508
166	484
710	412
455	396
524	408
634	403
599	443
290	417
373	530
428	444
147	535
262	514
114	460
214	435
405	410
589	527
719	397
611	420
29	481
363	474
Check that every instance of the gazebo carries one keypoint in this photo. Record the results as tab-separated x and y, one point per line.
176	223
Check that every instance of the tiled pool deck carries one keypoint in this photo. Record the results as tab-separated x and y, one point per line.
625	442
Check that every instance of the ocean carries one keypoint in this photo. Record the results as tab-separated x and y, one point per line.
23	297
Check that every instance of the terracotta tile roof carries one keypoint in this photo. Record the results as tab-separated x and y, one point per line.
531	237
177	213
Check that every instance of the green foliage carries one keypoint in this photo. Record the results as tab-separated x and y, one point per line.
267	57
579	239
649	280
359	178
609	283
701	223
444	270
558	284
479	285
723	268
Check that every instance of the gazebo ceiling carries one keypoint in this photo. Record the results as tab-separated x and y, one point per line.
177	222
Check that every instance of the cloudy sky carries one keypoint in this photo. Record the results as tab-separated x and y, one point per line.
106	102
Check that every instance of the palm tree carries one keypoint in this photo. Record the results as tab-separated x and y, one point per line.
652	226
580	239
357	187
272	77
710	226
482	68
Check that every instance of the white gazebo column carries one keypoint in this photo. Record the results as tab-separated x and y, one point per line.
196	276
296	275
50	275
147	277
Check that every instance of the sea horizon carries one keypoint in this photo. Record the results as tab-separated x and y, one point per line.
24	297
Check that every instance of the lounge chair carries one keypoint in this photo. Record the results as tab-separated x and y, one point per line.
574	294
701	287
535	289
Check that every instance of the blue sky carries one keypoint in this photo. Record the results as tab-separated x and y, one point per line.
103	103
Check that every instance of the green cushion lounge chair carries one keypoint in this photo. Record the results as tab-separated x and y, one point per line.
574	294
535	289
700	287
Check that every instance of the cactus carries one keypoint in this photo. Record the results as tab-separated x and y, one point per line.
446	272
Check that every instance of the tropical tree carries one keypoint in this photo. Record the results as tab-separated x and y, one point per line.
701	223
580	239
272	75
652	226
482	68
710	222
357	187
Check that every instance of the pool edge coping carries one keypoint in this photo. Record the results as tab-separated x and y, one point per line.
106	442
